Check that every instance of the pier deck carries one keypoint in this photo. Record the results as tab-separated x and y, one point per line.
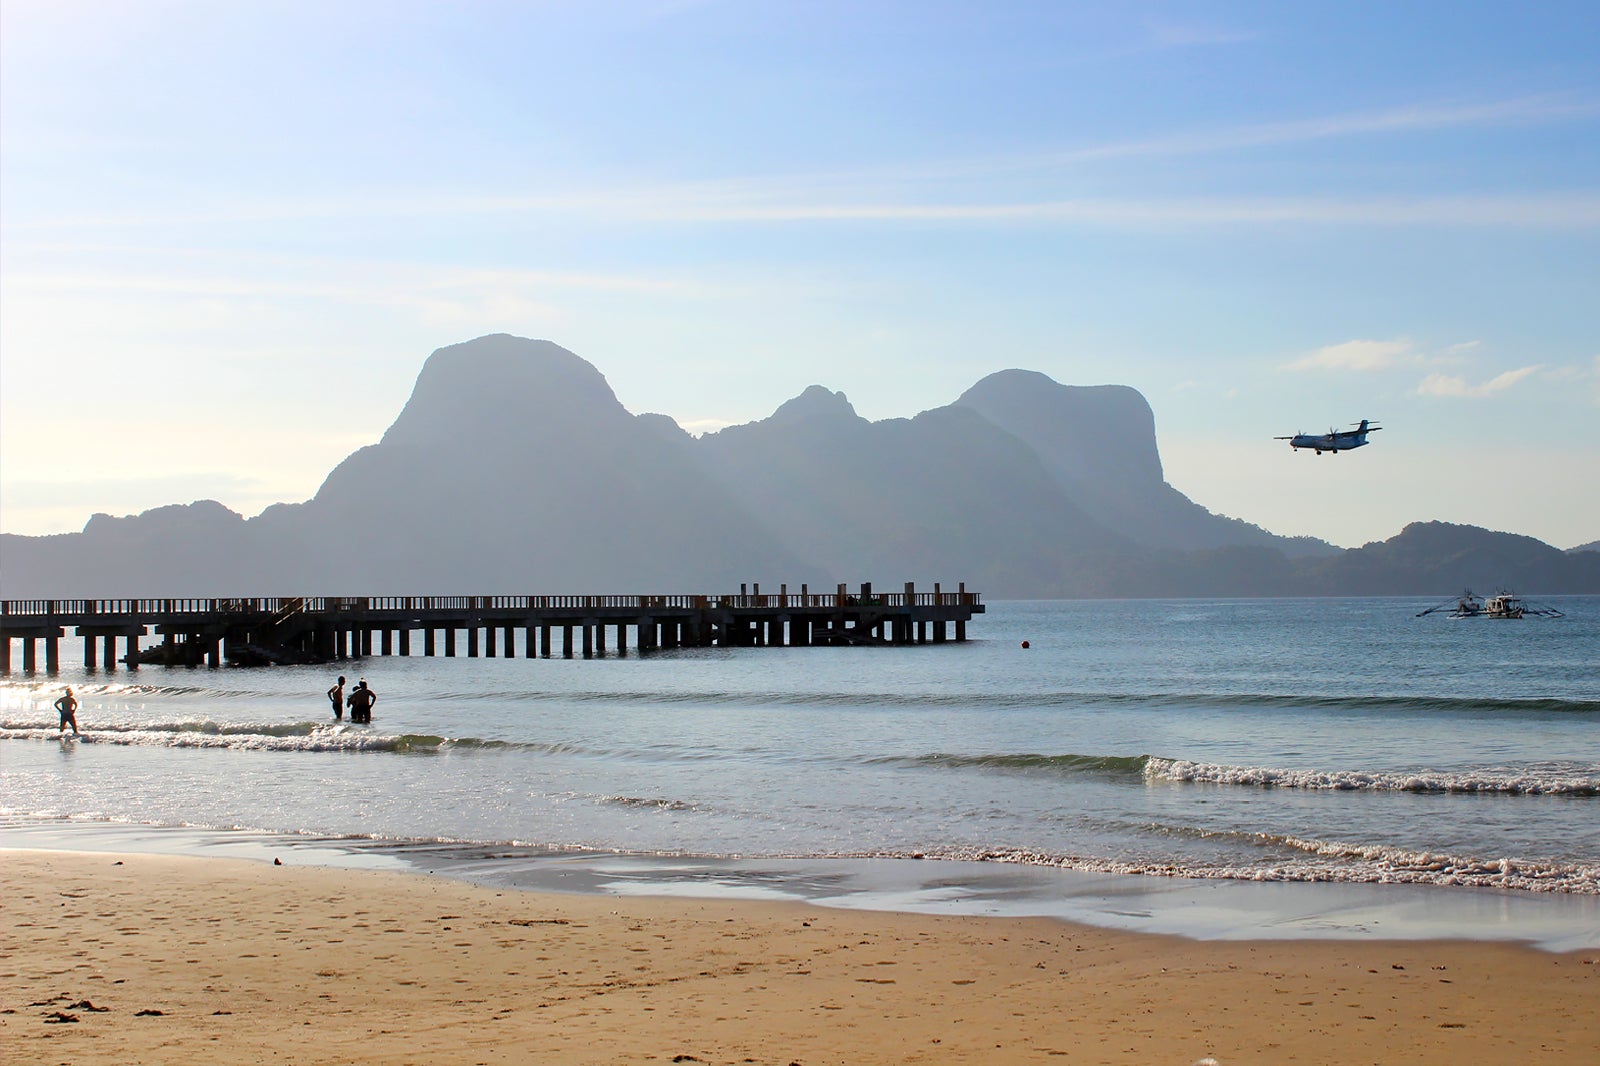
327	628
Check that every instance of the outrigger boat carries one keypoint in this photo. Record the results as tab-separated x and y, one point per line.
1500	605
1504	605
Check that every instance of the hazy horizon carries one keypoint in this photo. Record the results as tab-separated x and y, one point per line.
231	234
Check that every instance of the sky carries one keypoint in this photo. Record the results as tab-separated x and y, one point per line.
231	233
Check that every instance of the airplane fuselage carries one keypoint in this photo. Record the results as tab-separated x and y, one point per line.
1327	442
1335	440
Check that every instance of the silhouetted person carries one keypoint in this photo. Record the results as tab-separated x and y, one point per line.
361	700
336	697
68	707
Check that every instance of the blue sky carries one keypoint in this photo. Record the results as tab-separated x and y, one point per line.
231	233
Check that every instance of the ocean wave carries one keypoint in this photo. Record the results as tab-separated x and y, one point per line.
1401	865
1565	780
283	737
29	690
304	737
648	803
1320	861
1546	780
1325	861
48	688
1112	765
1297	859
1528	781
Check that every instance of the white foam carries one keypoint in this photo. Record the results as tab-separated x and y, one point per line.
1527	782
311	738
1327	861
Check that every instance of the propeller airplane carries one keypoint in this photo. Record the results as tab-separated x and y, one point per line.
1334	441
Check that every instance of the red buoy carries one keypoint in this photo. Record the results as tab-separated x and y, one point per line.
1024	644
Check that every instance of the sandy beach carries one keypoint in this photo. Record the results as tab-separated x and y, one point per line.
139	958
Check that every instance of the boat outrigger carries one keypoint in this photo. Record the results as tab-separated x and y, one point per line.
1500	605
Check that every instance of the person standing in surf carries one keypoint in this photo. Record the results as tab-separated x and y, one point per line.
67	707
336	697
361	700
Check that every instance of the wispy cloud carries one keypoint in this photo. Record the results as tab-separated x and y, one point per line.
1519	111
1581	376
1417	117
382	283
1359	355
1457	354
952	190
1450	385
1376	356
1580	210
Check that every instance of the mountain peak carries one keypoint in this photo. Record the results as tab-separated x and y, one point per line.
207	514
815	402
1088	432
502	380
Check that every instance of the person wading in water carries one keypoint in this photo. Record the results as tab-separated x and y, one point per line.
67	707
361	700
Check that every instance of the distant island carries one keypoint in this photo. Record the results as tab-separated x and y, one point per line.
513	468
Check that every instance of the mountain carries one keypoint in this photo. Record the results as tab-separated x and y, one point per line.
1592	546
1432	557
946	493
1099	443
513	469
157	553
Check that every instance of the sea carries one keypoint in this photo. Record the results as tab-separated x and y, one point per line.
1231	767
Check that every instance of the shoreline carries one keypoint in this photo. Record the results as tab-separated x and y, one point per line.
1195	909
179	958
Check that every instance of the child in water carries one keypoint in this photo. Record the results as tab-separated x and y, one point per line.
67	707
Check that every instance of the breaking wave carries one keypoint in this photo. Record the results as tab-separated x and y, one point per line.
1527	781
1568	780
260	736
1110	765
648	803
1324	861
1537	780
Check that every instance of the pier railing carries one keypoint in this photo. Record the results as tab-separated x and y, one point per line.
112	610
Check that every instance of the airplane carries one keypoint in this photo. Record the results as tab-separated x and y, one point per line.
1334	441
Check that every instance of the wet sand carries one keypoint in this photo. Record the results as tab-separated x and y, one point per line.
148	958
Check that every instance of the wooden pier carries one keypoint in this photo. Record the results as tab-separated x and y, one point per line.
193	632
